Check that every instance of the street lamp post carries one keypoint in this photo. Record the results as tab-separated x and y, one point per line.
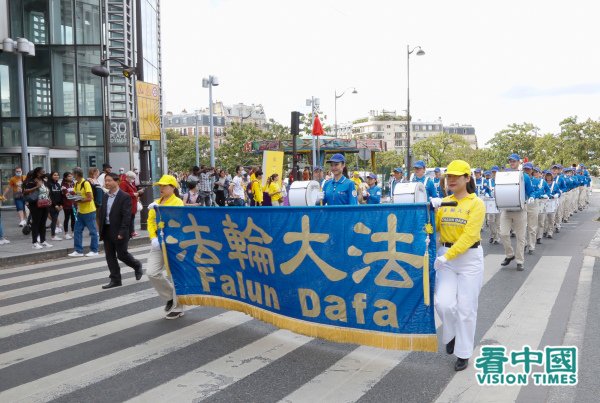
197	145
335	105
420	52
209	83
21	47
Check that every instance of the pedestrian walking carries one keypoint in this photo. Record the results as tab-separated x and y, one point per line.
237	186
192	197
156	266
86	215
15	185
459	264
54	210
3	240
37	195
115	216
67	189
128	186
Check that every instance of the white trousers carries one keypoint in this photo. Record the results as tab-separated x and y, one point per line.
517	220
457	287
549	226
155	270
494	224
532	223
581	198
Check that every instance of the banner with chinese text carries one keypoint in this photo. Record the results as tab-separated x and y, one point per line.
350	274
148	103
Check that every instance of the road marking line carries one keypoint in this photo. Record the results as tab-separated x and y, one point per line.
522	322
61	383
52	284
74	313
217	375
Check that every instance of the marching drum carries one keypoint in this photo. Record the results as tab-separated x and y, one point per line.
510	190
304	193
551	206
490	205
411	192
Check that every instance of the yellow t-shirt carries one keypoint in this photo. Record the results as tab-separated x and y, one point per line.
82	188
152	225
460	225
257	191
357	182
274	188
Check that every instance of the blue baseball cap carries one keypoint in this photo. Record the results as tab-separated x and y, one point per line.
547	172
567	169
419	164
537	169
337	158
487	173
528	165
495	168
317	168
514	157
436	170
372	176
477	170
399	170
555	166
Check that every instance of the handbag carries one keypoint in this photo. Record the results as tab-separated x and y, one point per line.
139	206
43	203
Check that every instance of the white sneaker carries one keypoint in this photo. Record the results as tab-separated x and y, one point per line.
46	245
4	241
22	223
56	238
68	236
58	230
91	254
75	254
37	245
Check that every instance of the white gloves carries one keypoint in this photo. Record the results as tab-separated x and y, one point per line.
436	202
364	193
439	262
152	205
320	196
155	244
545	197
530	200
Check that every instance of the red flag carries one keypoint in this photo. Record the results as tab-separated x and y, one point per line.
317	129
525	159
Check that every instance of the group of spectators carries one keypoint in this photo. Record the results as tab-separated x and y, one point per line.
68	201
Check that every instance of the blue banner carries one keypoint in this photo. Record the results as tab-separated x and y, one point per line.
352	274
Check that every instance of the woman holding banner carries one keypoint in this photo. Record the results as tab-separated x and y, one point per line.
156	265
459	265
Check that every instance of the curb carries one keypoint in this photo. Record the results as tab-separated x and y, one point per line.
26	259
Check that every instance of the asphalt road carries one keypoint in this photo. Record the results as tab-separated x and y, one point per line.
63	338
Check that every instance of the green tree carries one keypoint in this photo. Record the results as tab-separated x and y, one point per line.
517	138
580	140
232	151
547	150
440	149
181	152
484	158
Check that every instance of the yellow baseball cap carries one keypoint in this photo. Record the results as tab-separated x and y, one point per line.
355	173
458	168
167	180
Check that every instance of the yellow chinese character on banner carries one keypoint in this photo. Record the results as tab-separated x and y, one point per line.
258	256
203	254
305	237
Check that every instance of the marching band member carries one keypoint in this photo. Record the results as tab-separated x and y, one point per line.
156	265
533	209
419	176
436	181
339	190
398	177
479	183
493	219
543	194
517	220
554	193
459	265
561	184
374	192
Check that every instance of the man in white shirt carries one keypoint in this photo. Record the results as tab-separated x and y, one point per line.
236	189
106	169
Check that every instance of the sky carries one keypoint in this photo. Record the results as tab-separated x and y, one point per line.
486	63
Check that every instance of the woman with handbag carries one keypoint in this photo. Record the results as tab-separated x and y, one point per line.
37	196
54	210
66	188
128	186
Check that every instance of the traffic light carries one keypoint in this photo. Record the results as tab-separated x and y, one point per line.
295	126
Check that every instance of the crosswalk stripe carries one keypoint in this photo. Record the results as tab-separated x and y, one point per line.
349	378
65	296
82	336
522	322
225	371
74	313
64	382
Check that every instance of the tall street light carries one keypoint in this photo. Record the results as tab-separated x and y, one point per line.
209	83
409	52
335	105
21	47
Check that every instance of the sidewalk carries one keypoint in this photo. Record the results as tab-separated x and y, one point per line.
19	251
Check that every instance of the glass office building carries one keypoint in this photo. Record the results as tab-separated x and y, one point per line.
69	111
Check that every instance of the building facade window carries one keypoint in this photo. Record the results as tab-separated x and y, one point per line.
91	132
39	132
9	99
65	132
63	82
38	83
89	86
88	27
11	133
61	26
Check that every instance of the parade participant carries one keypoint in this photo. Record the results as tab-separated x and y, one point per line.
459	265
257	190
374	192
543	195
397	177
318	175
156	265
86	215
15	184
436	180
479	183
517	220
582	189
561	184
533	209
419	176
275	190
356	179
115	217
492	219
339	190
553	193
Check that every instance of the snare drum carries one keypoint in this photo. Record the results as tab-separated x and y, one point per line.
304	193
411	192
490	205
551	206
510	191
